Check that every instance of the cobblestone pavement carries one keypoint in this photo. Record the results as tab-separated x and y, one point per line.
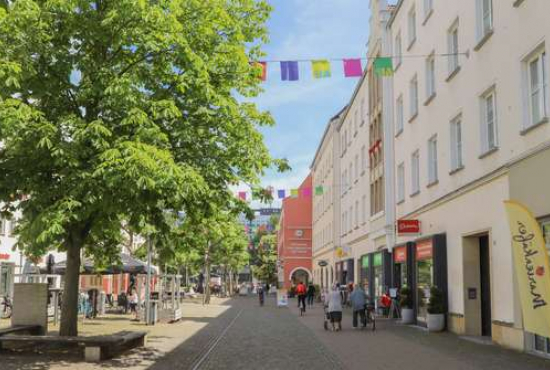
396	347
253	337
238	334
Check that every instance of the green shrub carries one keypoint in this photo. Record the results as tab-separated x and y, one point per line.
405	298
436	305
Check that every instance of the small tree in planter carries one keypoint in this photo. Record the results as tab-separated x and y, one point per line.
406	304
436	310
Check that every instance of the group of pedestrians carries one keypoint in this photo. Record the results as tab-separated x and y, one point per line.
333	302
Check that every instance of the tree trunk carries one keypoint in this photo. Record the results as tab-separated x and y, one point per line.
69	308
230	281
206	299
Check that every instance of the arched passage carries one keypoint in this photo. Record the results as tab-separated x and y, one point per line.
300	274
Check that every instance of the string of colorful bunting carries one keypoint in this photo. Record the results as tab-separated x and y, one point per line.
305	192
322	68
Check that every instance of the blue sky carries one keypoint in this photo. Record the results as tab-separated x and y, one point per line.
308	29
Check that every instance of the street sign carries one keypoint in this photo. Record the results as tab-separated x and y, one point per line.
408	227
322	263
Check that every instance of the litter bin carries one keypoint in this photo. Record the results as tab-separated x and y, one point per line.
153	313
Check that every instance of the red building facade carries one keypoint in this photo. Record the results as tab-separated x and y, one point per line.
294	237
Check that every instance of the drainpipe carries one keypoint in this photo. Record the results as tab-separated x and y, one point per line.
388	122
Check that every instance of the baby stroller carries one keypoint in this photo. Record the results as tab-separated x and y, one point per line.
326	316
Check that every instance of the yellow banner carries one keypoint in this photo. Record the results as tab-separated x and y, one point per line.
532	268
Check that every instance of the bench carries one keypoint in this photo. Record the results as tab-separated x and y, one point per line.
29	329
96	348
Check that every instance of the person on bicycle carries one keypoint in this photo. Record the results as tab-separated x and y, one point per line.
358	299
301	292
261	294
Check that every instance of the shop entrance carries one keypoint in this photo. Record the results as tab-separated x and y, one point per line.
485	285
477	285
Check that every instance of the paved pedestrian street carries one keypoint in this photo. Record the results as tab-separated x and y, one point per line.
238	334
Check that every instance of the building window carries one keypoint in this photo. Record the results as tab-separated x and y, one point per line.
350	175
363	159
412	27
542	344
399	115
489	140
343	186
350	226
362	111
401	183
430	76
356	167
415	172
484	18
356	121
364	209
413	92
456	144
3	226
356	213
428	8
537	87
398	50
432	160
452	43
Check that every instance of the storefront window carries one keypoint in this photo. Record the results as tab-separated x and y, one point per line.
424	277
365	273
6	276
400	263
378	276
542	344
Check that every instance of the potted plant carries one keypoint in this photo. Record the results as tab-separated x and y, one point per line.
406	304
436	310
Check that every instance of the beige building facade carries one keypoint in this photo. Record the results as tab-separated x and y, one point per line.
470	120
326	227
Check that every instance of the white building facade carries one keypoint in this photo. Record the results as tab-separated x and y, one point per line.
470	116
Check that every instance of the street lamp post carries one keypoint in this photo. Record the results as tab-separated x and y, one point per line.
148	282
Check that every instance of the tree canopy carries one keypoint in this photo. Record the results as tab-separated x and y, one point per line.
113	111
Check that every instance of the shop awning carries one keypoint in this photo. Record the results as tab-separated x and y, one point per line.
128	265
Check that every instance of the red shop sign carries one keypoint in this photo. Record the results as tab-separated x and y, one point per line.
424	250
4	256
408	226
400	255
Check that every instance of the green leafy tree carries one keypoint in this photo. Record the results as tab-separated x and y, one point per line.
265	267
112	111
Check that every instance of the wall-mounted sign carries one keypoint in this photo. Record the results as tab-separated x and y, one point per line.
322	263
408	227
4	256
424	250
299	233
400	254
472	293
269	211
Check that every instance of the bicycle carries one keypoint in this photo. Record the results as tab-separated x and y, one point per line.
6	308
370	317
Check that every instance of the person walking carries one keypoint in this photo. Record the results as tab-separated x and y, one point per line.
358	299
334	303
261	295
301	293
310	294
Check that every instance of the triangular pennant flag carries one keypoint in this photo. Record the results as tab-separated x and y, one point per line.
289	71
319	190
383	66
353	68
242	195
294	193
281	194
320	68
